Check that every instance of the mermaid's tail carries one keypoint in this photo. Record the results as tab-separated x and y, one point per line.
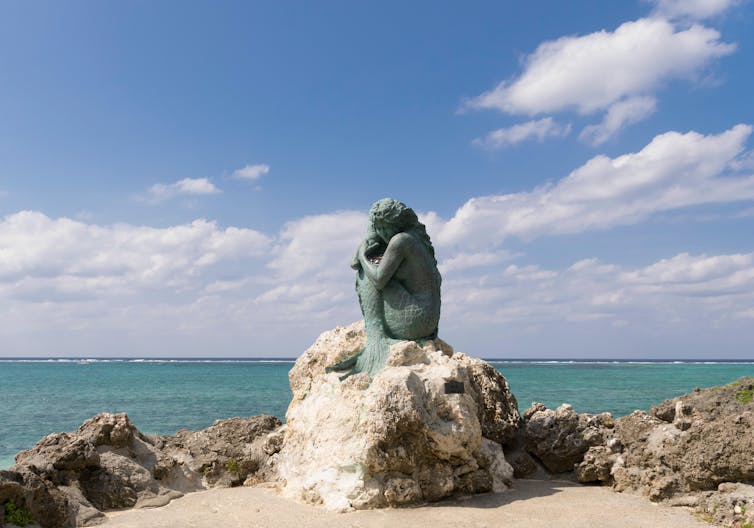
409	315
375	354
345	364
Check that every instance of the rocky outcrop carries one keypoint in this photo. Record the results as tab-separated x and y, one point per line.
497	408
685	445
732	504
428	426
432	424
45	502
559	438
691	443
229	451
68	479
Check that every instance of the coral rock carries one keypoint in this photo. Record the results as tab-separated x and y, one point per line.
399	438
68	479
560	437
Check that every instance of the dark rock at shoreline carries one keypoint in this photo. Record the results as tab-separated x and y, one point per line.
696	450
731	505
42	499
559	438
228	451
67	479
691	443
498	408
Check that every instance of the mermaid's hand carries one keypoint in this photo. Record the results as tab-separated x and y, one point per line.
355	264
364	249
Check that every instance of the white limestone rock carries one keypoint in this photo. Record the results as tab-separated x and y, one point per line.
393	440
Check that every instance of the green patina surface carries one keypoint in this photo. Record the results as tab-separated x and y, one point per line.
397	283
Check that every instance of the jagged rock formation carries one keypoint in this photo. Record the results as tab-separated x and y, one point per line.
411	434
732	504
41	498
690	443
695	450
428	426
559	438
68	479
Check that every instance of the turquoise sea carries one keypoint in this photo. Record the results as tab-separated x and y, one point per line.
38	397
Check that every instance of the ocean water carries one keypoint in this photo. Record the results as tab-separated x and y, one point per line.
162	396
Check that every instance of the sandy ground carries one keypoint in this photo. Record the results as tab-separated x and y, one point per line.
532	504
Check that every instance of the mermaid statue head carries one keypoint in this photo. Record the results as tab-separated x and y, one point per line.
387	217
390	216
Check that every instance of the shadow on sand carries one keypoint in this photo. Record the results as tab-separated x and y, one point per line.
523	489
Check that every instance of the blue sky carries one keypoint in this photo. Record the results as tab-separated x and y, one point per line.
190	179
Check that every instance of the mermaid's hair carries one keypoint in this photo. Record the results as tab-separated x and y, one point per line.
400	216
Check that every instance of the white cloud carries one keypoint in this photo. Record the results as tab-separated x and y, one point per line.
306	283
187	186
463	261
74	288
745	162
682	300
311	279
319	244
122	258
594	71
617	72
69	287
620	114
674	170
251	172
535	129
182	289
688	269
692	9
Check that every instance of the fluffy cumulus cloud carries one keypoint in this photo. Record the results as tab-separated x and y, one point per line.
310	270
615	72
187	186
71	287
179	290
464	260
622	113
539	129
687	296
692	9
108	260
75	287
592	72
251	172
674	170
318	244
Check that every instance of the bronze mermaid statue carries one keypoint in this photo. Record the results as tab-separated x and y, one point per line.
397	283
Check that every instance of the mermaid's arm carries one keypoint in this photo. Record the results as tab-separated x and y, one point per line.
394	255
368	245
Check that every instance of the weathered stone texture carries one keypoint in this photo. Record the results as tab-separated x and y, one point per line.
559	438
68	479
397	438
